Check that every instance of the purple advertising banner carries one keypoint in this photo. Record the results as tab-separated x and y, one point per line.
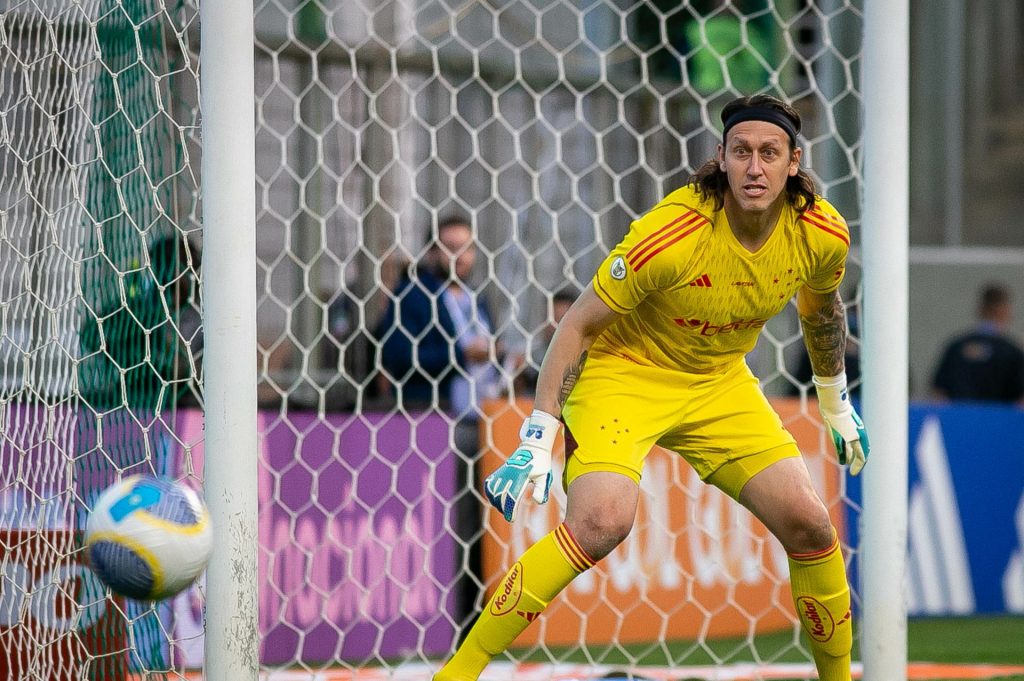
356	555
36	443
356	559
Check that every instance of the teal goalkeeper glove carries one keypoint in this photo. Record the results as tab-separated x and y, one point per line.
843	422
531	462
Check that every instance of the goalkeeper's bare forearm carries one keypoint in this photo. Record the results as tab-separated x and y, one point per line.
567	354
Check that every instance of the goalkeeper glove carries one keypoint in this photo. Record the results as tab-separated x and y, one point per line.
531	462
843	422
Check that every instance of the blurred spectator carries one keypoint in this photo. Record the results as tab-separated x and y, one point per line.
560	302
984	364
438	346
348	351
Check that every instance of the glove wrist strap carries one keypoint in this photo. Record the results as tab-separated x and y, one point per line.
548	426
832	395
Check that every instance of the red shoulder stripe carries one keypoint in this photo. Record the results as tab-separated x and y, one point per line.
824	224
680	234
835	220
668	235
651	238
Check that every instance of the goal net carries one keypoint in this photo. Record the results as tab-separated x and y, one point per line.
548	126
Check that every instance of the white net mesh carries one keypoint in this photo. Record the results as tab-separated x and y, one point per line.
548	126
97	311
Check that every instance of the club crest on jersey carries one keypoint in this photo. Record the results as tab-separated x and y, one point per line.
618	269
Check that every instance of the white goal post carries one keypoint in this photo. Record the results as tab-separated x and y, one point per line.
272	169
886	313
229	325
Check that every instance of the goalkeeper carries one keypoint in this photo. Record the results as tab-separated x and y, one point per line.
653	352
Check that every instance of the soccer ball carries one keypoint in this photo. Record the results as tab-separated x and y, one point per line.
148	538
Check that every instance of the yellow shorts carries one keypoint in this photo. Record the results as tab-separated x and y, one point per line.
721	423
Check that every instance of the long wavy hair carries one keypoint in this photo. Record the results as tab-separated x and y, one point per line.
712	182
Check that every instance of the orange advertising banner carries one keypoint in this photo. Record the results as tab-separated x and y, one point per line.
695	564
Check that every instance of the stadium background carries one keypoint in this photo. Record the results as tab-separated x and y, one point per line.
337	213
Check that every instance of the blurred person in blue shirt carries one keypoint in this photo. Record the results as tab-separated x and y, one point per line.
985	364
437	337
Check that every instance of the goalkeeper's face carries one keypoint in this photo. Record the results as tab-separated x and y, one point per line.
758	161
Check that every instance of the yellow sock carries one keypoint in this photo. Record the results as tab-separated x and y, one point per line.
538	576
822	597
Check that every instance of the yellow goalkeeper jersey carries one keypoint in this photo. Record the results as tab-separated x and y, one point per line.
693	298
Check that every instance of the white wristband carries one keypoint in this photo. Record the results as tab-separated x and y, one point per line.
540	429
832	394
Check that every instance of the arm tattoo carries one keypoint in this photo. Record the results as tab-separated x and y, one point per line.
825	337
569	378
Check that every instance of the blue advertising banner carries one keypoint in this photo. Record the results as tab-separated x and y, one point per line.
965	535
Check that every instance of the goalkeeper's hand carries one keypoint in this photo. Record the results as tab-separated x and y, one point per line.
843	422
531	462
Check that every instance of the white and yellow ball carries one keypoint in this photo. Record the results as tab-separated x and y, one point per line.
148	538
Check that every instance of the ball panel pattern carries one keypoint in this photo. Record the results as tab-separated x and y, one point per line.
170	503
121	568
